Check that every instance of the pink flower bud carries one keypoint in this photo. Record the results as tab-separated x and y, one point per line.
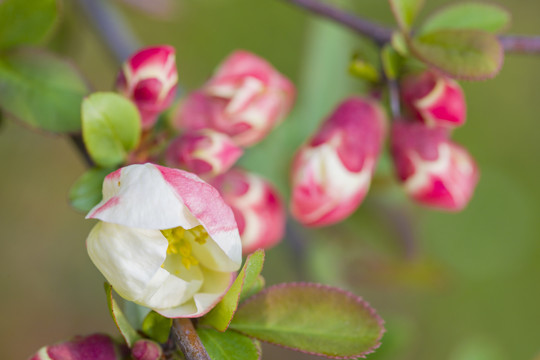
204	152
331	174
149	79
245	99
257	208
434	170
146	350
95	347
434	99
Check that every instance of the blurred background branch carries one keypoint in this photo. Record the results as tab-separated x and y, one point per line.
381	34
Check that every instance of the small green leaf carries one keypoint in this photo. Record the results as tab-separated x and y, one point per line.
399	43
391	61
254	288
25	22
479	16
157	327
362	69
86	192
128	333
220	316
111	127
405	12
229	345
463	54
311	318
41	90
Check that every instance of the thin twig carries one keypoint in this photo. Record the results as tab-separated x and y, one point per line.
393	93
112	27
188	341
378	33
381	34
521	44
77	140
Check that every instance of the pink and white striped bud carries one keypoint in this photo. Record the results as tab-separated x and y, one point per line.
434	170
149	78
146	350
245	98
204	152
257	208
434	99
95	347
331	173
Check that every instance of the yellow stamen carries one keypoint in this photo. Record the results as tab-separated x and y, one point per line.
179	242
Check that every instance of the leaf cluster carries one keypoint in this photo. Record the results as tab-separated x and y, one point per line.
459	40
305	317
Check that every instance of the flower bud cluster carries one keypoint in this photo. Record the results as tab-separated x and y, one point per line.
236	108
434	170
332	171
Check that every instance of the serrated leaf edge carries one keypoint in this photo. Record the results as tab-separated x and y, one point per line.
410	44
356	298
448	6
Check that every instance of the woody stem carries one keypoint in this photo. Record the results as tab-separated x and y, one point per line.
188	341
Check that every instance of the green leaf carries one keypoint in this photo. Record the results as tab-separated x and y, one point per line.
312	318
135	313
25	22
362	69
229	345
463	54
157	327
479	16
220	316
391	61
254	288
111	127
128	333
86	192
41	90
405	12
399	43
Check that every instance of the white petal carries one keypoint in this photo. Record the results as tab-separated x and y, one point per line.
138	196
129	258
211	211
216	257
214	288
172	290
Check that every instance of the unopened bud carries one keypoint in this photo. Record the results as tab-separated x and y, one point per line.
434	170
245	98
257	208
434	99
204	152
331	174
149	78
146	350
95	347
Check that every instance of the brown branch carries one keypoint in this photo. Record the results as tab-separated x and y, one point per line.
188	341
381	34
521	44
78	142
376	32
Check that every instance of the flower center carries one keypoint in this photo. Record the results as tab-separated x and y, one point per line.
180	243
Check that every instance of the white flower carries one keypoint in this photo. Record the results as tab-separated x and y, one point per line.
166	240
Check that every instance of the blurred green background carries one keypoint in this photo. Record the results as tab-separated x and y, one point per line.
450	286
